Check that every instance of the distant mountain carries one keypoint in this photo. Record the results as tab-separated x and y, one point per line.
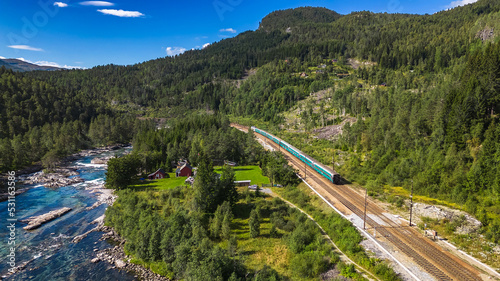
22	66
284	19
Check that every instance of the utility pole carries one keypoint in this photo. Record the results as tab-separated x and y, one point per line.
364	219
333	162
305	170
411	200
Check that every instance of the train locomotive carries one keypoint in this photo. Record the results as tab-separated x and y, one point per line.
333	177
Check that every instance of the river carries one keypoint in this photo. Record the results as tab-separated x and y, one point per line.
50	250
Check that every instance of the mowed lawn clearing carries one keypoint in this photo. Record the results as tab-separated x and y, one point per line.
253	173
161	184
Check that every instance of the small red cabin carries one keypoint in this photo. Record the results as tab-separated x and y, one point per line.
184	171
159	174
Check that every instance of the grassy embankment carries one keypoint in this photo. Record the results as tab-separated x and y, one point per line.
341	231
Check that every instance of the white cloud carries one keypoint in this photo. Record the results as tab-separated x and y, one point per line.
461	3
97	3
2	58
25	47
60	4
172	51
49	63
55	64
205	45
228	30
121	13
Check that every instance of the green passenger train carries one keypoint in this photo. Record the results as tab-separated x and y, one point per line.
333	177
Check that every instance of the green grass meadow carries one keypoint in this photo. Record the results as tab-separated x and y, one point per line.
252	173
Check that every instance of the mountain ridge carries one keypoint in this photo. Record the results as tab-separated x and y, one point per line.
23	66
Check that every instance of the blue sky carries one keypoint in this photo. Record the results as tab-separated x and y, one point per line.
89	33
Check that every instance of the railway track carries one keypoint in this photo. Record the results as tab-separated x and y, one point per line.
438	263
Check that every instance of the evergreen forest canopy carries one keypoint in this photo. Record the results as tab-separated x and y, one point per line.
436	123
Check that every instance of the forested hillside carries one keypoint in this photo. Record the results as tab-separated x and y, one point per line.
423	90
394	41
41	120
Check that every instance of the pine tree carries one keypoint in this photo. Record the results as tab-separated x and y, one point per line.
254	224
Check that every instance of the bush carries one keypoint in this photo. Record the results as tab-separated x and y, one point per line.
267	274
308	264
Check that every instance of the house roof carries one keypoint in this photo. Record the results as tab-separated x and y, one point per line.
158	171
186	165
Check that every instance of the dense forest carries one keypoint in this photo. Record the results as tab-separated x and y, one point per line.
193	233
172	85
444	136
426	105
39	120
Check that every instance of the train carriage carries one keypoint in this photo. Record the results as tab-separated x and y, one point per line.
325	172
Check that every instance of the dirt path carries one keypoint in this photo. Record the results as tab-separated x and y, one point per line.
343	256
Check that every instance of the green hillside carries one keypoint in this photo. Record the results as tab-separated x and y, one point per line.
418	98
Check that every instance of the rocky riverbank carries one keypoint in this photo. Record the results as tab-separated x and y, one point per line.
57	177
116	256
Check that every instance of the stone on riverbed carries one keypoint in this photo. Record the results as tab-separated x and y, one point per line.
58	178
100	160
37	221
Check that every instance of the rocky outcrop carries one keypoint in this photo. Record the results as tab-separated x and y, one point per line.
486	34
469	223
37	221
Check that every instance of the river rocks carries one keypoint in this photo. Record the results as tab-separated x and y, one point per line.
104	195
58	178
95	205
95	151
100	227
37	221
5	196
101	160
116	257
120	263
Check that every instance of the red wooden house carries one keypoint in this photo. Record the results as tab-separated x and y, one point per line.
184	171
159	174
